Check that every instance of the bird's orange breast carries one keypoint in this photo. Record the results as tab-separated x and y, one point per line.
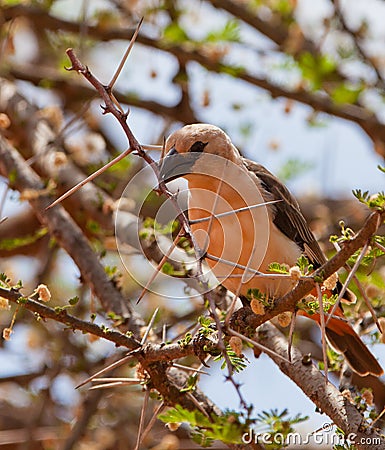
240	243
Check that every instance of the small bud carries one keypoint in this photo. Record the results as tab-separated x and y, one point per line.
295	272
7	333
257	307
347	394
5	121
284	319
331	282
206	99
310	298
60	158
43	292
29	194
372	291
367	396
4	303
274	144
173	426
236	345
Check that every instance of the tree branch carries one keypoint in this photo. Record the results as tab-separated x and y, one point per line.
354	113
326	396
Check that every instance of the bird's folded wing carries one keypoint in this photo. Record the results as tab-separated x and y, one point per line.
287	216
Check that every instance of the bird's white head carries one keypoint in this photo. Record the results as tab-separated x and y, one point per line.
188	150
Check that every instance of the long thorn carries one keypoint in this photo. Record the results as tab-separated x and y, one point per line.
164	333
112	384
291	334
323	332
142	416
212	215
368	303
159	266
163	149
111	379
157	148
106	369
230	311
378	418
190	369
151	422
256	273
124	59
89	178
149	326
234	211
348	280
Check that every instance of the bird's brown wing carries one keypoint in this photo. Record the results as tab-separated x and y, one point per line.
287	215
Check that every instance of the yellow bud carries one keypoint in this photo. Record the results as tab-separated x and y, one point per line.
236	345
367	396
331	282
173	426
257	307
295	272
4	303
7	333
5	121
43	292
284	318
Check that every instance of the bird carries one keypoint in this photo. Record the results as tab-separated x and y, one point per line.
243	219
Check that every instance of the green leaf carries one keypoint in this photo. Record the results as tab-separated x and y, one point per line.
293	168
229	33
316	69
278	268
18	242
174	34
73	301
346	94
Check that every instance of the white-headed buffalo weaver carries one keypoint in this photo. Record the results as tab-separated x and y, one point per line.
241	238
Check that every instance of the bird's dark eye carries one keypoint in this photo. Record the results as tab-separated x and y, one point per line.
198	146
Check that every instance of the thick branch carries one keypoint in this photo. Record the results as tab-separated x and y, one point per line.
61	315
326	396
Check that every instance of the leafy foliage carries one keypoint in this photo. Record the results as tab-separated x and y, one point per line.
373	201
227	428
237	362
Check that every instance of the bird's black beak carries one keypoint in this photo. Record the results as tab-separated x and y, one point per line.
175	165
